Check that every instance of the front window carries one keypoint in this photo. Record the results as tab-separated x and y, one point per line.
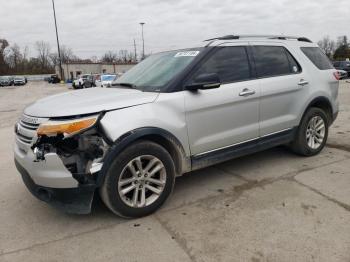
108	78
85	76
156	71
230	63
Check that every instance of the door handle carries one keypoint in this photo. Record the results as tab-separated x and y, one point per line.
303	82
246	92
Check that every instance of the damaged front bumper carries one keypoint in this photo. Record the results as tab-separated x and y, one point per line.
49	173
76	200
61	172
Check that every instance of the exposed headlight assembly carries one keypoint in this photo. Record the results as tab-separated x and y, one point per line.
67	127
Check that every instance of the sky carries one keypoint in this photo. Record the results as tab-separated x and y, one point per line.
92	27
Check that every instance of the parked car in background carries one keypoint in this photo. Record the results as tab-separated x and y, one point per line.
84	81
342	74
106	80
343	65
19	80
6	81
54	79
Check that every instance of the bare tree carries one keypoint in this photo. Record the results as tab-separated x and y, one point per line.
123	55
15	57
43	49
109	57
131	57
67	56
94	59
327	45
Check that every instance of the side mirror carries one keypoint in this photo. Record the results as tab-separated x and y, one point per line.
204	81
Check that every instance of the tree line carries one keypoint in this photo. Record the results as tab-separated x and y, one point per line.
335	49
16	61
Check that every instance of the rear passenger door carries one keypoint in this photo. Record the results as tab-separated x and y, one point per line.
282	81
228	115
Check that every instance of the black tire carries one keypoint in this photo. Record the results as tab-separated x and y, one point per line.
109	190
300	143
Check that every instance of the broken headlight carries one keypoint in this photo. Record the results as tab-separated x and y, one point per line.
66	128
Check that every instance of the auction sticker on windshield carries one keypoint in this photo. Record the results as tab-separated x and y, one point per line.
187	53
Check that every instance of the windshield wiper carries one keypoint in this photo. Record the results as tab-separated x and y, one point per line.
129	85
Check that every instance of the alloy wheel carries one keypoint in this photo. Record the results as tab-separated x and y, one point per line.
315	132
142	181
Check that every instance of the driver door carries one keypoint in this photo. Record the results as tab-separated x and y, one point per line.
229	115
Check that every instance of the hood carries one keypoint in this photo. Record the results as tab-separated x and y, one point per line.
87	101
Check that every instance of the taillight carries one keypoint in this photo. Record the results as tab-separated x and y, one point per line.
336	75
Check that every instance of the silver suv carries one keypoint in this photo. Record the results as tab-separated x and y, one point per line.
173	113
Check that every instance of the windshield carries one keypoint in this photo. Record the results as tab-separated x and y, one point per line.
153	73
108	77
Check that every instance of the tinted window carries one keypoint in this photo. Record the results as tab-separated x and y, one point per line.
274	61
293	64
230	63
317	57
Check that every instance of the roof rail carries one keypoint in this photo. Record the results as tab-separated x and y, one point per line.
280	37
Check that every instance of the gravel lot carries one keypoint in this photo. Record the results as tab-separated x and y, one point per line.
270	206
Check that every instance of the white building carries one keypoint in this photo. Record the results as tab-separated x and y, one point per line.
73	69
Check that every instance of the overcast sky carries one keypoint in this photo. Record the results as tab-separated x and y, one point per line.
91	27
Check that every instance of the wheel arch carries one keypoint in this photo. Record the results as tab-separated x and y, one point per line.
323	103
154	134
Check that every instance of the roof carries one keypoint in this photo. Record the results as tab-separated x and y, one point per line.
97	63
300	39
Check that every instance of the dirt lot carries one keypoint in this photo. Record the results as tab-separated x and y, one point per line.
270	206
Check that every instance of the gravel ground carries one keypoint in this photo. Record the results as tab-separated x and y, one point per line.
270	206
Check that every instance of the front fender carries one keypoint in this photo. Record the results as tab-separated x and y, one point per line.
126	139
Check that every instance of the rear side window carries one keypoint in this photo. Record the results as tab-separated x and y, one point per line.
317	57
230	63
274	61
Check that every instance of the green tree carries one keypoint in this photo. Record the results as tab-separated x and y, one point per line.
3	65
343	49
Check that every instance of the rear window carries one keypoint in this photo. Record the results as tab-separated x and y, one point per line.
274	61
317	57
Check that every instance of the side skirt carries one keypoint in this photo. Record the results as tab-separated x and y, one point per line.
242	149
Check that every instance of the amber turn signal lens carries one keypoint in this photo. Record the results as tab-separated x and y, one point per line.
65	127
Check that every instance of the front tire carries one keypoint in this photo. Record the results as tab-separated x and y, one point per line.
312	133
139	180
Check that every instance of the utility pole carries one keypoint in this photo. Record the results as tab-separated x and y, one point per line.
135	51
58	43
143	42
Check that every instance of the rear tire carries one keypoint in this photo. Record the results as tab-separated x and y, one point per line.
139	180
312	133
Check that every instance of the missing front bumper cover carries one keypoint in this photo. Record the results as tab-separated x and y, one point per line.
70	200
